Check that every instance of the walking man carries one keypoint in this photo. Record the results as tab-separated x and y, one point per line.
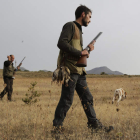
71	49
8	72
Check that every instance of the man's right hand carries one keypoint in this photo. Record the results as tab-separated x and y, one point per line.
85	52
18	67
9	58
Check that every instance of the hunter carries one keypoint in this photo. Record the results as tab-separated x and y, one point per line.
70	44
8	73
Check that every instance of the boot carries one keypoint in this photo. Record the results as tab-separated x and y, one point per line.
1	95
9	98
97	125
57	129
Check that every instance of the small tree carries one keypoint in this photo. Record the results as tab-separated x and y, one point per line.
31	96
102	73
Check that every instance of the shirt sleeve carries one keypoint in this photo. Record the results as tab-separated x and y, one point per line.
65	37
7	63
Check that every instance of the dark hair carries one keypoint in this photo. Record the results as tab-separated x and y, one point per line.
80	10
11	55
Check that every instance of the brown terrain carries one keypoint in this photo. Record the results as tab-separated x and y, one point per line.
34	122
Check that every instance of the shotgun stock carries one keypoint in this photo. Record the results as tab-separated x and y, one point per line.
82	62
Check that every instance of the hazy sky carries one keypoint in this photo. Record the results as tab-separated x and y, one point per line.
31	28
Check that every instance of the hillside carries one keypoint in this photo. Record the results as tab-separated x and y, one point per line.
23	69
105	69
30	74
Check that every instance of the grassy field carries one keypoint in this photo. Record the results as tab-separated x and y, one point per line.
19	121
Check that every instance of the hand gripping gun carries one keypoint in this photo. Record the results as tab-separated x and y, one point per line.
82	62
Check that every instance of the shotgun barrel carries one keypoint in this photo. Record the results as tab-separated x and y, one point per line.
22	59
87	48
21	62
96	37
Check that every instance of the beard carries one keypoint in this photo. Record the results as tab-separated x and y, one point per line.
85	23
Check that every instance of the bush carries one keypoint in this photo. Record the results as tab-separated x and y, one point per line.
103	73
31	96
26	70
40	71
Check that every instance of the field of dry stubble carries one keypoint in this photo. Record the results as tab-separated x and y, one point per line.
34	122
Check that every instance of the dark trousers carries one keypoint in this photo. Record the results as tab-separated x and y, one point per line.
79	83
8	89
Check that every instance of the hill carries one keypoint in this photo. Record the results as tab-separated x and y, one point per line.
105	69
23	69
33	74
30	74
44	70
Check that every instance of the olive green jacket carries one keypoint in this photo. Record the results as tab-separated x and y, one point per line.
8	71
70	44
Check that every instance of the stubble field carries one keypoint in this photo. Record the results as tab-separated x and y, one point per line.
19	121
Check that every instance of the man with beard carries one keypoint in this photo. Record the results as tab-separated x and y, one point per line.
71	49
8	72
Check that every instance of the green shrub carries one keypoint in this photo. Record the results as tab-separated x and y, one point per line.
31	96
26	70
103	73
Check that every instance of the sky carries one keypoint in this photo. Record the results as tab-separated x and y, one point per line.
32	28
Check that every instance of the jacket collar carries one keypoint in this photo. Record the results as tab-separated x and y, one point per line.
78	25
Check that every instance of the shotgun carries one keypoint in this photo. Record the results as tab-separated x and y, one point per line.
17	68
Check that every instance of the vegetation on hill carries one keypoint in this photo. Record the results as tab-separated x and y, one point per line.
42	74
104	69
31	74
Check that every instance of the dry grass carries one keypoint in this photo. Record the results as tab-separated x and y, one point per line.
24	122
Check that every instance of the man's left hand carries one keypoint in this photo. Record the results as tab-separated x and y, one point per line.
91	46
